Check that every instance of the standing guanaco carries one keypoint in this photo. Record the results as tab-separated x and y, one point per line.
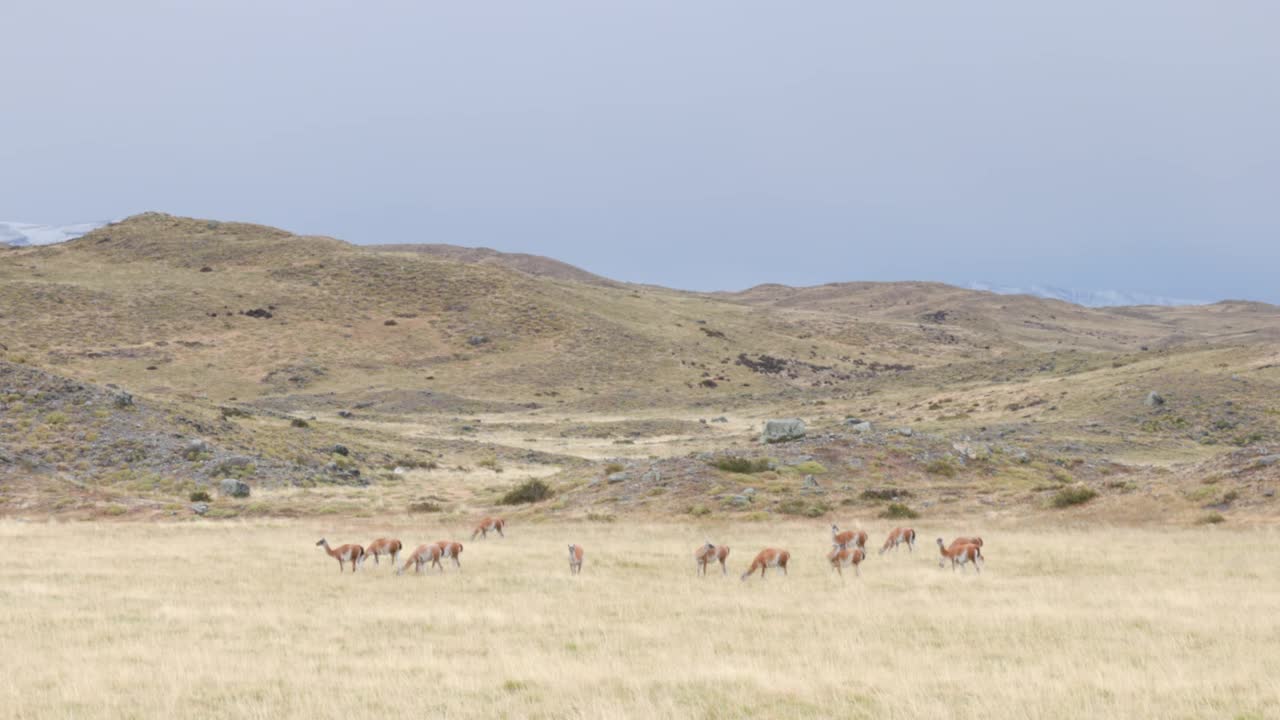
450	550
849	538
490	523
900	536
575	559
709	553
841	556
768	558
959	555
343	554
422	555
383	546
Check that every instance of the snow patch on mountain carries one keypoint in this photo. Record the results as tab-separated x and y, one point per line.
23	234
1087	298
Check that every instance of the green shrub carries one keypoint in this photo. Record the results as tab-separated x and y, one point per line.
1066	497
490	464
612	468
884	494
810	467
941	467
299	423
424	506
898	510
798	506
745	466
56	418
1212	518
529	492
200	496
699	510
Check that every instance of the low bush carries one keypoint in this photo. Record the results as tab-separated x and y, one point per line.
884	494
899	511
528	492
1212	518
745	466
1079	495
200	496
941	467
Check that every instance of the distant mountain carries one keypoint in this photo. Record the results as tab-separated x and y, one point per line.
525	263
23	234
1087	298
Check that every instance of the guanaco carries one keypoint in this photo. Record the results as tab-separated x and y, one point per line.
709	553
849	538
383	546
768	558
450	550
343	554
959	555
900	536
575	559
487	524
422	555
966	541
840	556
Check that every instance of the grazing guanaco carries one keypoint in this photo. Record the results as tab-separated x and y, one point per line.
450	550
966	541
422	555
487	524
768	558
709	553
343	554
575	559
383	546
849	538
840	556
900	536
959	555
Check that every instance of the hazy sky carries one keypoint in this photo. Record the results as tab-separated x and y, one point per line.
708	144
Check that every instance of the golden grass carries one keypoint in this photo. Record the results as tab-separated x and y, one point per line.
251	620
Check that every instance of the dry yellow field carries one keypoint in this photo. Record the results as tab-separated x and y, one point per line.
213	620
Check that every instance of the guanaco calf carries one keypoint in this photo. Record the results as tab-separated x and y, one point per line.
959	555
768	558
575	559
849	538
841	556
900	536
343	554
709	553
487	524
450	550
383	546
422	555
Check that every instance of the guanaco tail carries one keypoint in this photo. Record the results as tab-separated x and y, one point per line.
450	550
849	538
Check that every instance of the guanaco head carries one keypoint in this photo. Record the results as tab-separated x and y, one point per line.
711	546
322	542
940	543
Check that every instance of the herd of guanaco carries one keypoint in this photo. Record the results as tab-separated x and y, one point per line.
848	549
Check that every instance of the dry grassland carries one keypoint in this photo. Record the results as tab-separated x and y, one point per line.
211	620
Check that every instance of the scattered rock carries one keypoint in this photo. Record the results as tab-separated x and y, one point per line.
477	340
233	464
721	419
123	399
389	323
206	268
345	413
810	482
862	427
399	470
749	492
1267	460
783	430
906	431
261	313
740	500
1269	492
1154	399
234	488
195	448
340	449
618	477
200	508
653	476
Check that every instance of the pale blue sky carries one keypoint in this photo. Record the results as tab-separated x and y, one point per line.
708	144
